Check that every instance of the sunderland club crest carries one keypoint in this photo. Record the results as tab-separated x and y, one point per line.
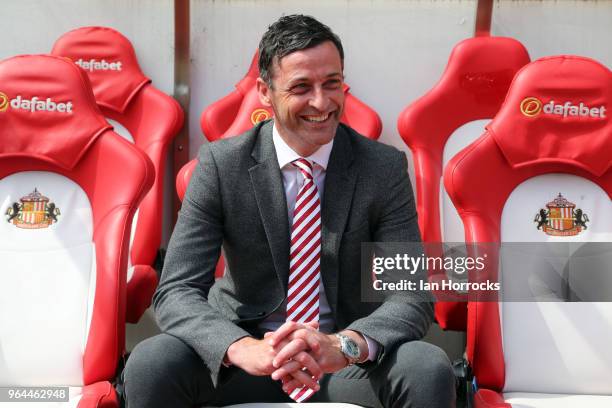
33	211
561	218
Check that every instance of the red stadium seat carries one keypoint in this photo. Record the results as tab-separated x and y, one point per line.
545	156
241	109
69	187
143	115
445	120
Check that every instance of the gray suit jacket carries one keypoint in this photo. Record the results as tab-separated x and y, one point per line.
236	199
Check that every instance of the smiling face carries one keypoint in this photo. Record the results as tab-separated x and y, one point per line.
307	96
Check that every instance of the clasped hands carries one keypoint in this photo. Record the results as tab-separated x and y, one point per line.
296	353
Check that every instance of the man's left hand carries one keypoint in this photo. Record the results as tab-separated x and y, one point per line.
325	349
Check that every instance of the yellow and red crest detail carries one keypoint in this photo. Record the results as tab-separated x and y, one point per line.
33	211
561	218
259	115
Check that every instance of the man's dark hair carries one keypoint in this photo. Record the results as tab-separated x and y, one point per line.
290	34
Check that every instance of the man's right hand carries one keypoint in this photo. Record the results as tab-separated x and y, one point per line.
256	357
252	355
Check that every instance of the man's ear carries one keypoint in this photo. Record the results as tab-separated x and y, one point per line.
263	90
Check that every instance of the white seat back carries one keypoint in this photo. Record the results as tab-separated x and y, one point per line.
556	347
47	279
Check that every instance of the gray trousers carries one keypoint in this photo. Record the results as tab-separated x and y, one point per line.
162	371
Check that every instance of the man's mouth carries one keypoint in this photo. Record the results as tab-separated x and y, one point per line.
317	118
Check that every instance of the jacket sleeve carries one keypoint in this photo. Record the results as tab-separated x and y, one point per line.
181	301
407	315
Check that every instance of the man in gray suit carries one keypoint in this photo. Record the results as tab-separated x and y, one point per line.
239	339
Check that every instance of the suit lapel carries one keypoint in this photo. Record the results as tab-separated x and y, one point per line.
339	188
270	195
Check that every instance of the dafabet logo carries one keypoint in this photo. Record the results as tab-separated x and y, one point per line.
99	65
259	115
532	107
4	102
34	104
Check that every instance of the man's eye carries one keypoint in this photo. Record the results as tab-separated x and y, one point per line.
333	84
299	88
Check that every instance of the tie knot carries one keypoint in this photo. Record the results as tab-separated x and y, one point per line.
305	166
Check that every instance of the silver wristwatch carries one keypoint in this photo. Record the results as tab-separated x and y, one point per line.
349	348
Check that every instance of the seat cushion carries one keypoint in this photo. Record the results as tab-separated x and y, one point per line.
533	400
293	405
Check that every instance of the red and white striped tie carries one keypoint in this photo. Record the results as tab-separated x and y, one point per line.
305	258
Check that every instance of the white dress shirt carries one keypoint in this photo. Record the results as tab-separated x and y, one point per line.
292	181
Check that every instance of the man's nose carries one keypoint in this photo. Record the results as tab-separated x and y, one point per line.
319	99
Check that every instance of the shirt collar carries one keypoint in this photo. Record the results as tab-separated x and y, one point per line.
286	154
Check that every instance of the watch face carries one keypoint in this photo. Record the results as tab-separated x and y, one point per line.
351	348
